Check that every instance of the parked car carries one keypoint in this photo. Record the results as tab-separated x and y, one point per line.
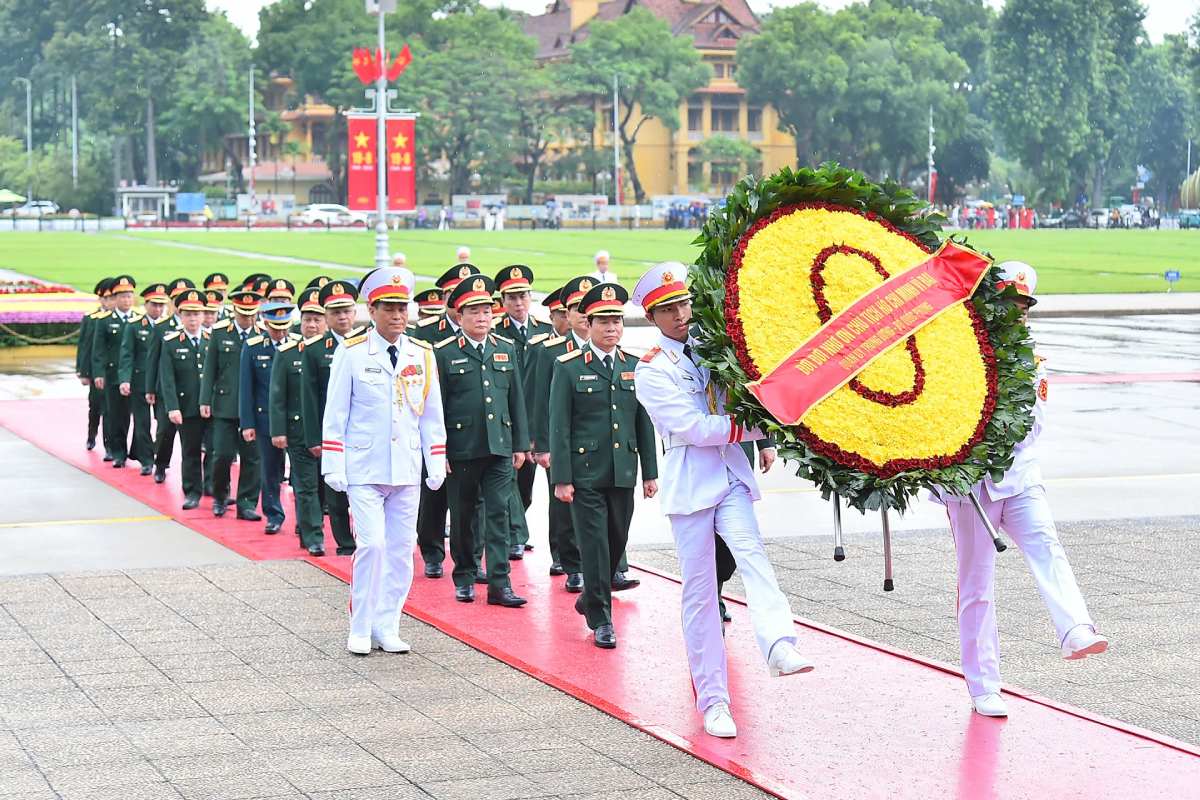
1189	218
330	214
37	208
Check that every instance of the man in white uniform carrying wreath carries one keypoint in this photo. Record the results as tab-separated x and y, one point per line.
383	415
707	485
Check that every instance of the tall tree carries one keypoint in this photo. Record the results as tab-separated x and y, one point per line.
1164	116
549	113
655	70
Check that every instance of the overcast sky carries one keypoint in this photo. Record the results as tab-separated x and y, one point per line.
1163	16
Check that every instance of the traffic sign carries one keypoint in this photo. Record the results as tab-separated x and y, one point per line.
1172	277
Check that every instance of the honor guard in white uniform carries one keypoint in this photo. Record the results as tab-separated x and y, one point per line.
383	417
707	485
1017	504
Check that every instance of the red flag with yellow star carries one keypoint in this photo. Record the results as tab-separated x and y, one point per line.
360	163
401	166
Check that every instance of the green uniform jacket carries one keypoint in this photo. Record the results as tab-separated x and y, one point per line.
106	343
162	329
483	402
598	429
285	401
83	350
180	368
318	356
222	369
433	329
135	344
535	333
543	370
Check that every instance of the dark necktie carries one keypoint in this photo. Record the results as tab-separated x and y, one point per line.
393	354
608	362
687	351
245	336
479	347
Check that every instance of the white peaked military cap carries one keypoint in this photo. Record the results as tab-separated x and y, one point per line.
1020	276
387	283
663	283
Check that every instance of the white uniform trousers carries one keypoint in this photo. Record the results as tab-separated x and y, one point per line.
1027	521
385	531
733	519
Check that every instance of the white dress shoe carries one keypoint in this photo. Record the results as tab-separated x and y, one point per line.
990	705
785	659
718	721
389	643
359	645
1083	641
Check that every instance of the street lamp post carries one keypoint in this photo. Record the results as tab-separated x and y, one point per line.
382	249
28	134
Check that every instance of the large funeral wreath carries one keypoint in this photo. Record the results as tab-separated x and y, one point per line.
944	408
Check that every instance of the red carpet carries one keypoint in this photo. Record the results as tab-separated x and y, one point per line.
869	722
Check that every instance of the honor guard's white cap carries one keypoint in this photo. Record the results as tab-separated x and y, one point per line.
464	253
601	255
399	259
663	284
1020	276
393	284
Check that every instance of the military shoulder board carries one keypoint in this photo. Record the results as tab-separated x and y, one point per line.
290	345
650	354
535	339
222	324
502	338
428	321
446	341
356	340
359	331
421	343
135	316
254	340
99	314
171	336
314	339
565	357
554	341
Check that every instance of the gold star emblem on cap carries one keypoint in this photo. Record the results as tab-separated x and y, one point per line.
608	293
585	284
515	272
667	277
479	285
337	289
397	279
464	272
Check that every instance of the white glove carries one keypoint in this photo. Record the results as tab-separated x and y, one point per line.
336	481
434	482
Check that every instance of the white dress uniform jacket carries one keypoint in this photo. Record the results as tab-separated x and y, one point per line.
381	421
1026	470
701	441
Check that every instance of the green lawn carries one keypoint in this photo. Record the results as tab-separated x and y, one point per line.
1067	261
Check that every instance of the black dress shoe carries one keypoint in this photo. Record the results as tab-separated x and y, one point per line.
108	456
433	570
118	463
272	527
192	501
575	582
505	597
464	594
528	546
580	606
621	581
605	637
316	550
145	470
481	577
516	553
218	508
160	474
91	443
249	516
724	612
230	501
349	551
556	569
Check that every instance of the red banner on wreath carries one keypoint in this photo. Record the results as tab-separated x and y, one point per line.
360	163
868	328
401	167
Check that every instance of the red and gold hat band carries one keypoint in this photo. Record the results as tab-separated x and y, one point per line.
675	290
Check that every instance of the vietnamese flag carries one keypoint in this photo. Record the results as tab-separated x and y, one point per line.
401	166
360	163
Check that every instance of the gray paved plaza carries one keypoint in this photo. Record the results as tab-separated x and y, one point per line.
1141	579
232	681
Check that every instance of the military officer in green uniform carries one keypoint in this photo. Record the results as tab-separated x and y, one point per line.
338	298
431	512
106	356
486	437
430	303
131	371
180	368
219	404
286	404
83	364
218	282
598	434
164	431
514	283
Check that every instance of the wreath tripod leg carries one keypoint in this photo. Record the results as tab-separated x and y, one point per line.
987	523
888	583
839	552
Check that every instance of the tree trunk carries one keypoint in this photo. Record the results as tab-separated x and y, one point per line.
639	194
239	184
151	149
1098	200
